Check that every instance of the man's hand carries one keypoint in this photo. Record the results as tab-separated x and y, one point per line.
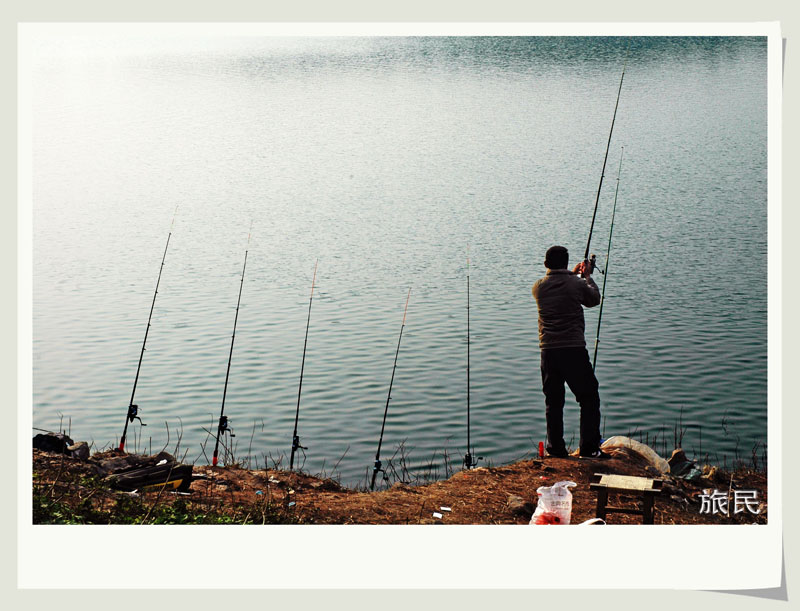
583	268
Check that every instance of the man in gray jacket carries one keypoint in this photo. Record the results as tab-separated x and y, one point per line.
560	297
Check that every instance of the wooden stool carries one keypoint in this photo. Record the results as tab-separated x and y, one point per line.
646	488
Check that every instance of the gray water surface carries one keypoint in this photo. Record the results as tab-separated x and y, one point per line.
388	159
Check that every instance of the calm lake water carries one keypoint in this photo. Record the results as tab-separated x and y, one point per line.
387	159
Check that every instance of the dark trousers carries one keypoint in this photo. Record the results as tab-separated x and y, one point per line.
570	365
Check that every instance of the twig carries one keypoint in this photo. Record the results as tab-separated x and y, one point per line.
730	489
340	459
250	447
180	437
58	476
166	444
160	492
203	445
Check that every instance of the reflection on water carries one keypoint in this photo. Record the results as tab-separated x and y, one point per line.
386	158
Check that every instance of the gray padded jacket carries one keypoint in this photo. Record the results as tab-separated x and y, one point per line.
560	296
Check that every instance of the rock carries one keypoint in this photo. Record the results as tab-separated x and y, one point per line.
520	507
79	450
678	457
127	462
679	465
52	442
133	472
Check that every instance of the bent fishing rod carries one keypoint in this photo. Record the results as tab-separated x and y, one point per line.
608	259
295	439
377	467
222	426
469	460
133	410
605	160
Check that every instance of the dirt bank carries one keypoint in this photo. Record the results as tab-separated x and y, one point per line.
68	490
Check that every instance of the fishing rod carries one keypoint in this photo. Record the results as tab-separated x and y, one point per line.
469	460
133	410
295	439
608	258
605	160
377	466
223	427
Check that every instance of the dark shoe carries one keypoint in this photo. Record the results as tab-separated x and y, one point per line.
557	453
596	455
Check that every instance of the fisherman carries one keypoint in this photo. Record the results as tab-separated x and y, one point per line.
560	298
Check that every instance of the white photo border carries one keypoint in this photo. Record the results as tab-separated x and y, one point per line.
402	556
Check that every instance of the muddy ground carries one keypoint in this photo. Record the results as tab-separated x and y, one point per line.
498	495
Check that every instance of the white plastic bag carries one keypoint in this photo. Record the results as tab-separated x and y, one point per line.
555	504
646	452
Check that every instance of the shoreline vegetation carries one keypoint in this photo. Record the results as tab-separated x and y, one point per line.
73	490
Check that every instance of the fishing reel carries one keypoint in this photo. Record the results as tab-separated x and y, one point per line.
592	262
133	411
296	444
471	461
224	427
378	469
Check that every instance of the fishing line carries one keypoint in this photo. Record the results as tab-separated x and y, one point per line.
223	425
469	460
377	467
133	409
605	160
295	439
608	258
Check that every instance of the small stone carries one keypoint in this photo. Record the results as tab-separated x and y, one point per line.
79	450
